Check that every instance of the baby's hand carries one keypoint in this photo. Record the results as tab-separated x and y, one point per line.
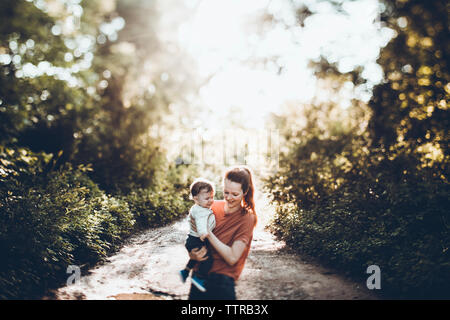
203	236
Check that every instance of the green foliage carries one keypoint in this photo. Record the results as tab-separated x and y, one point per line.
410	108
122	155
385	213
156	209
94	121
50	221
38	28
353	198
165	201
78	170
37	107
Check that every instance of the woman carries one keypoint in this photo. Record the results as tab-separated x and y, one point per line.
232	237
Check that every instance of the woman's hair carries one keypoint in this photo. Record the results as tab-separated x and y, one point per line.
200	184
243	176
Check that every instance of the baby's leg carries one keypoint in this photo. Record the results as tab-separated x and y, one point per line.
206	265
191	264
192	243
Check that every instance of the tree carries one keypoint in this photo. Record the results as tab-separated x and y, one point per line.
410	112
376	191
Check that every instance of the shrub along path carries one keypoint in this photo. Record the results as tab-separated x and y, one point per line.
146	268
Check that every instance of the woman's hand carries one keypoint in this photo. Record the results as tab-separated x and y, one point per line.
198	254
230	254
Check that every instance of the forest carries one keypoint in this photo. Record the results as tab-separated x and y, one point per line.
93	94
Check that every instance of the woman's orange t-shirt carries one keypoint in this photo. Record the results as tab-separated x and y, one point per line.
230	228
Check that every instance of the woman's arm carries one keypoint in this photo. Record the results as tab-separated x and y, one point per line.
230	254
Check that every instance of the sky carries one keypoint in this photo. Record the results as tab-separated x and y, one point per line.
229	43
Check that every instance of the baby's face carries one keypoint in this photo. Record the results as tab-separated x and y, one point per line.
204	199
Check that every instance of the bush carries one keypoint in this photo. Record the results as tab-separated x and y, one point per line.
156	208
391	213
166	201
49	221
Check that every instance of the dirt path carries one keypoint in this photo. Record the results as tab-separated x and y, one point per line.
147	265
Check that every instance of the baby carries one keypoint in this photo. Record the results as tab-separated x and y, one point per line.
201	218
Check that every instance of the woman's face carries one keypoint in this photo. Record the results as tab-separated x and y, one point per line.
233	194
